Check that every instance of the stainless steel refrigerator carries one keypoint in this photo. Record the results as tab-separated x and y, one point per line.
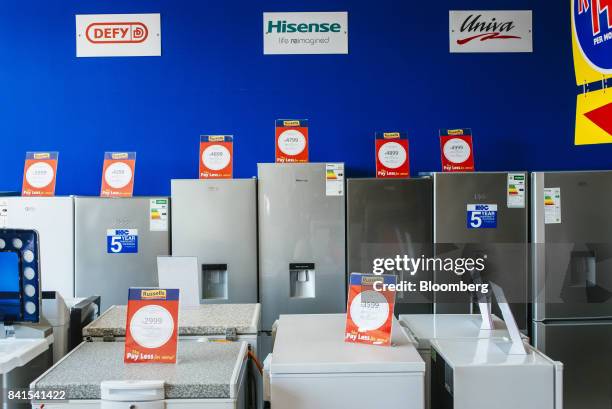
389	217
483	215
301	210
216	220
53	219
117	242
572	280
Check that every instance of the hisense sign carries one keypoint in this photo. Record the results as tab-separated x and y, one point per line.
305	33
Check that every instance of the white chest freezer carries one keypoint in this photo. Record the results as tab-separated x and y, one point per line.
312	367
206	375
424	328
483	374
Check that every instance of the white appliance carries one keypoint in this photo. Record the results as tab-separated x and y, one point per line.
312	367
53	219
484	374
424	328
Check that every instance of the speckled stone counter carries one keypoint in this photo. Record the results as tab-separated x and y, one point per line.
203	370
205	320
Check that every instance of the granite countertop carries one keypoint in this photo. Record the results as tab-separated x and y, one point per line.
203	370
205	320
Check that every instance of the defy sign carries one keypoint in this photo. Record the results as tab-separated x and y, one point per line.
118	35
476	31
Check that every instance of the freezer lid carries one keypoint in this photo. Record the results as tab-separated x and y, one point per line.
16	352
204	320
486	352
314	343
426	327
204	370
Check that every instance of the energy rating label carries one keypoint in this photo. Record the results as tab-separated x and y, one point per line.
516	190
158	215
552	205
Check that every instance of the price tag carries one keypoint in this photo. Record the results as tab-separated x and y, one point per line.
152	325
291	140
457	150
118	174
370	308
120	241
392	159
39	174
216	152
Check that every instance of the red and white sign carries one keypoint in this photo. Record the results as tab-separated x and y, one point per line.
392	158
118	174
291	140
369	313
39	174
151	326
490	31
457	150
216	154
118	35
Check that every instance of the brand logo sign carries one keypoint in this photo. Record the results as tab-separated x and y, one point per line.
305	33
477	31
118	35
593	30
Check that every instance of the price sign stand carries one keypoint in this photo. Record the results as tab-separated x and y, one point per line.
457	150
118	174
392	158
151	326
291	140
369	313
216	156
39	174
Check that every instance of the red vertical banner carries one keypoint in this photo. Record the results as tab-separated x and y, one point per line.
392	155
291	140
216	156
151	326
39	174
369	313
457	150
118	174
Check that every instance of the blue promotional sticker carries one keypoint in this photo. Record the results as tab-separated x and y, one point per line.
121	241
481	216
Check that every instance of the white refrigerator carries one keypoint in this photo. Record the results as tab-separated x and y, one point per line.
53	219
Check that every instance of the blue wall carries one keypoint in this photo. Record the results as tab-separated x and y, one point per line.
214	78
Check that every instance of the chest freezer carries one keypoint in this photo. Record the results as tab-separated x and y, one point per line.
424	328
236	322
312	367
483	374
53	219
206	375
